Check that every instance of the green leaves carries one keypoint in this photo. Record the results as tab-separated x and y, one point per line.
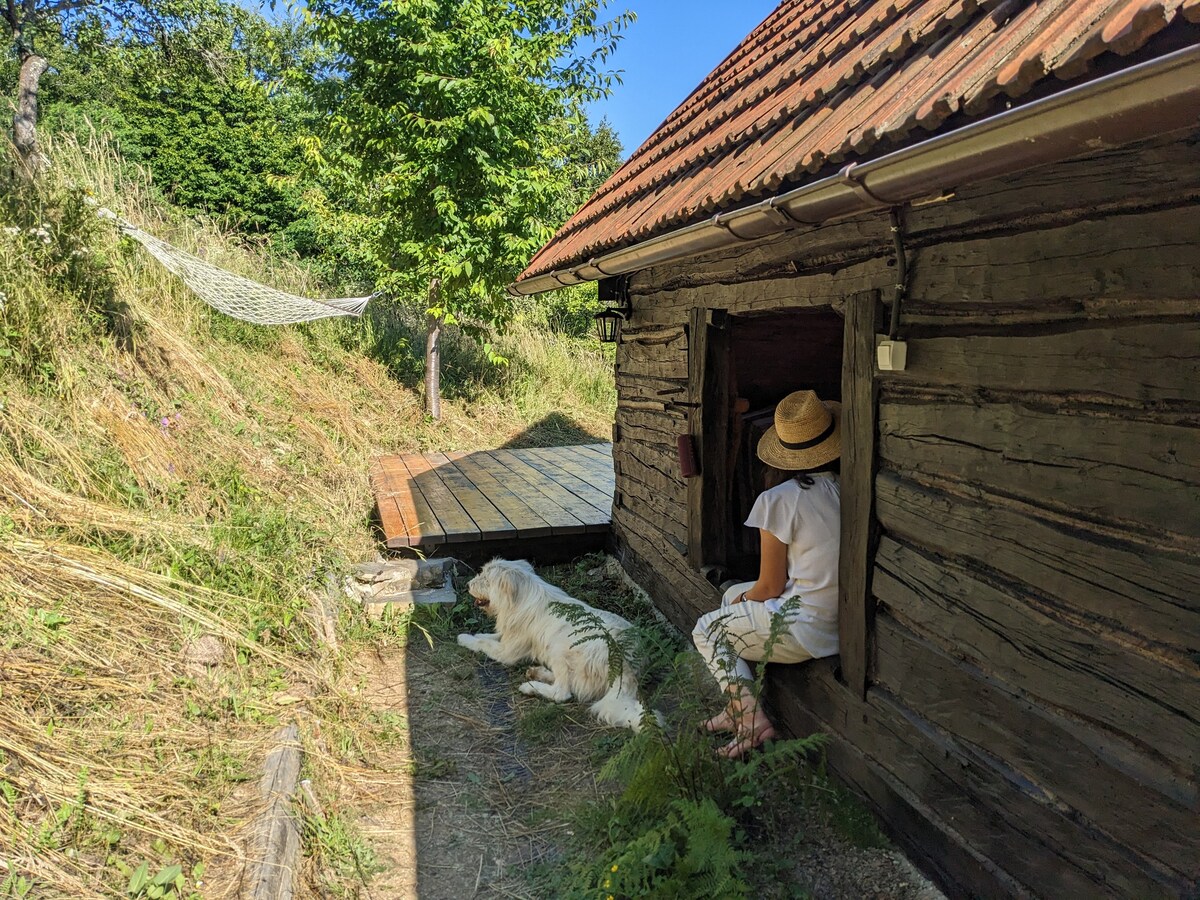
168	882
457	127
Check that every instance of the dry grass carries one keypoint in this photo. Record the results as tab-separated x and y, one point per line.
168	476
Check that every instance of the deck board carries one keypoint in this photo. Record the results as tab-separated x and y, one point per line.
561	520
593	469
520	516
496	498
490	521
418	521
454	521
557	485
555	465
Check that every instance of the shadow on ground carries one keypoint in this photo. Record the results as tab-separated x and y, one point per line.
554	430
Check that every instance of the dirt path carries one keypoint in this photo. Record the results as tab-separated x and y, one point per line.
448	809
475	795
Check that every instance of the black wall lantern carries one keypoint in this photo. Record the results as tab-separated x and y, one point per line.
614	293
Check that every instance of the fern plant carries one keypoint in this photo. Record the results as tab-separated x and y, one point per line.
691	853
684	822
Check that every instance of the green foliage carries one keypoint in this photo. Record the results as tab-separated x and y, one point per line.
689	854
50	230
195	114
568	311
685	823
345	859
457	127
168	883
15	885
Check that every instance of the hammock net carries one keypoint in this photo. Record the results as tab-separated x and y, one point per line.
240	297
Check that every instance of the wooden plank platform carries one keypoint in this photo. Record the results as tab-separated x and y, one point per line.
543	502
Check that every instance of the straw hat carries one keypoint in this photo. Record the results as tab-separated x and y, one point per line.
807	433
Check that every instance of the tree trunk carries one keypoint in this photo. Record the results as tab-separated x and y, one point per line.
25	118
433	356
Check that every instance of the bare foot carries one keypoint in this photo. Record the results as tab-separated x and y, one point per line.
723	721
746	739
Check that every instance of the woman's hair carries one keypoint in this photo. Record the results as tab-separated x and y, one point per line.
773	477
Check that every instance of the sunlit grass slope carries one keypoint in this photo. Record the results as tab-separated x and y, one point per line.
173	487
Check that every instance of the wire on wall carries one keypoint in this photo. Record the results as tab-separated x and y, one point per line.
901	271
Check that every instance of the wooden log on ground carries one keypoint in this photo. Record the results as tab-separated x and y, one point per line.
275	836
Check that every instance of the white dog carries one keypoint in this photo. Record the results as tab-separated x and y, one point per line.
526	628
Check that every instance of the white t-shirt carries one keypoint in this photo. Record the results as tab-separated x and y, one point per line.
809	521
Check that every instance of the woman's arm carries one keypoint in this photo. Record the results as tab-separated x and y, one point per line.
772	569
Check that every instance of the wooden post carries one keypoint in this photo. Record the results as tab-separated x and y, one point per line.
860	531
709	411
433	356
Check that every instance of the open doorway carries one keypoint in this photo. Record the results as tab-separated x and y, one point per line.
771	354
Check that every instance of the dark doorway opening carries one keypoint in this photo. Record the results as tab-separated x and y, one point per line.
771	355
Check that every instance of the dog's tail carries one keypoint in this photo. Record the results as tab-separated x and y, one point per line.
621	706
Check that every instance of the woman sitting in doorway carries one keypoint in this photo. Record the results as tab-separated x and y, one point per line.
799	523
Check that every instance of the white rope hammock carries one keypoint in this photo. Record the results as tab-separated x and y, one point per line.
234	295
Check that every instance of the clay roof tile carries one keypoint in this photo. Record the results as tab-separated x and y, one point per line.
819	82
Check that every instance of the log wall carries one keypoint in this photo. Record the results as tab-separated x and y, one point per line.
1031	717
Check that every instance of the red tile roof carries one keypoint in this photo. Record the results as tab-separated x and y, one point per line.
824	82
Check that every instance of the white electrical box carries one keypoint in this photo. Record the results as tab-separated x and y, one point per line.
891	355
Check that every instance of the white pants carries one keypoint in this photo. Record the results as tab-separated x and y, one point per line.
736	632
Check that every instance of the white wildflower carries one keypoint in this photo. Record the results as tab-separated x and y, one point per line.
3	300
11	230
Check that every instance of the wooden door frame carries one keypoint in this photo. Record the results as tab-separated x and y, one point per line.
710	407
709	410
860	528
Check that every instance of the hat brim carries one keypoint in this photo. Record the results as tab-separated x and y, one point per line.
773	453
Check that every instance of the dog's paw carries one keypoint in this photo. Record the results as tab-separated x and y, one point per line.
467	640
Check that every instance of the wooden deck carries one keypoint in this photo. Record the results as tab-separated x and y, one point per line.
540	502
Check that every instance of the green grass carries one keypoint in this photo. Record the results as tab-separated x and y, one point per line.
171	474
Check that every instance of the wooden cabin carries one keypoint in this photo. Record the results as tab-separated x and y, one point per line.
1008	190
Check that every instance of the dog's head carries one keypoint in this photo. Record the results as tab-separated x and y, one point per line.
499	584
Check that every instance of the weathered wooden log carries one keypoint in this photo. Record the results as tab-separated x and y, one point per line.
1087	772
1007	633
860	532
984	805
1137	475
275	836
682	594
1131	365
1133	178
1117	583
323	608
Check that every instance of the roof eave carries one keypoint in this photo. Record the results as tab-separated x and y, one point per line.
1145	100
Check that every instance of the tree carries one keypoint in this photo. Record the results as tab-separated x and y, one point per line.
32	23
454	121
200	118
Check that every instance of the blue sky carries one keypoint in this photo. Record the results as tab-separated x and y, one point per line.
666	53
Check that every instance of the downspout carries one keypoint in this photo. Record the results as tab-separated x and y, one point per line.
1134	104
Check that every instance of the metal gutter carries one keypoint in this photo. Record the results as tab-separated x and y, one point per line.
1140	102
